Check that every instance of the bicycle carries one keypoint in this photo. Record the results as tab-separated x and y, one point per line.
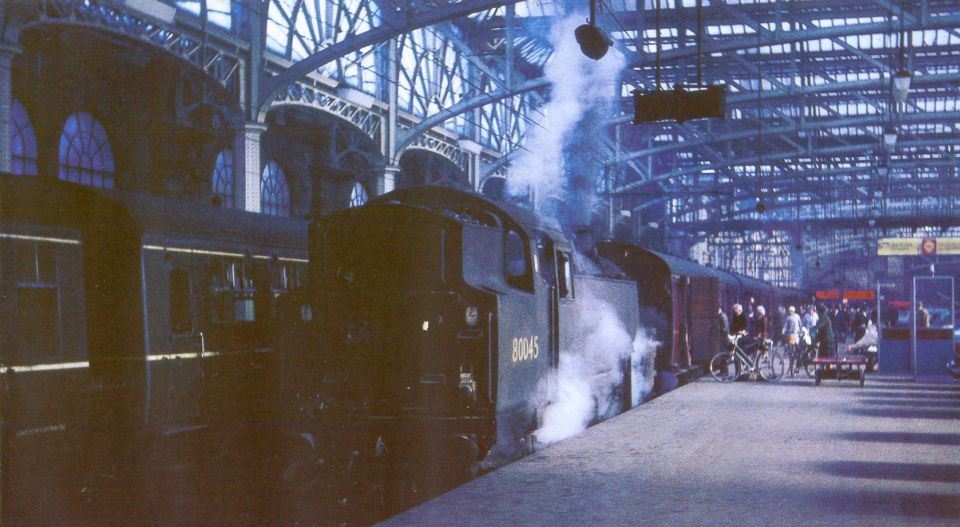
800	355
728	366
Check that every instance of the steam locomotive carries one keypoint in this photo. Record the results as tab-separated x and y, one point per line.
134	354
432	332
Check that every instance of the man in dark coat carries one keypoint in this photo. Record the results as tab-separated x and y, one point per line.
836	322
823	332
724	328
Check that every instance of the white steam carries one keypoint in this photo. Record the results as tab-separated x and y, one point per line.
579	85
642	361
589	383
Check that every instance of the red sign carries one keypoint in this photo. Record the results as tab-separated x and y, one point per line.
928	246
859	295
833	294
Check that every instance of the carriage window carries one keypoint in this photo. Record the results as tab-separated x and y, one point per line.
286	277
515	254
565	277
38	303
233	292
180	320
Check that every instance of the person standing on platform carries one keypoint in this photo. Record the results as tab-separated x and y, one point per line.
791	337
859	324
923	316
760	323
738	324
842	326
791	327
723	325
823	333
810	319
835	319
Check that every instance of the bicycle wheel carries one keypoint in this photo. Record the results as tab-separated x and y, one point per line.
771	365
724	367
807	360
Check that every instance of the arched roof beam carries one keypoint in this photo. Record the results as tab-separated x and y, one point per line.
466	106
745	224
822	152
396	21
909	118
947	22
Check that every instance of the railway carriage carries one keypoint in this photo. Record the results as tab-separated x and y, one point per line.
133	339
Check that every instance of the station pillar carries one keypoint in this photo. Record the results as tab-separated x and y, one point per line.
388	180
248	166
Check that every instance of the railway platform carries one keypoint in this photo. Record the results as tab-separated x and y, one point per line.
746	453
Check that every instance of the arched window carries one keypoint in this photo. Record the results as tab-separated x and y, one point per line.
358	196
85	154
223	178
23	142
274	194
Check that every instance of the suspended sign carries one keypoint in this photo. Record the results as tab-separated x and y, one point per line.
834	294
917	246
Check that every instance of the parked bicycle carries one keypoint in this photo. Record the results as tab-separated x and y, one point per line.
800	356
755	357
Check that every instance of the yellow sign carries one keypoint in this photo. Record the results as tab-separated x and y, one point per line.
917	246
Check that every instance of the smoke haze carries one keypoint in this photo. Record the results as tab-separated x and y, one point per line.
572	123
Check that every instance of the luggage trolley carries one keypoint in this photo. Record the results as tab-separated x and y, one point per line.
846	366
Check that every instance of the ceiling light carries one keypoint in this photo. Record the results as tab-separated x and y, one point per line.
594	43
901	85
890	137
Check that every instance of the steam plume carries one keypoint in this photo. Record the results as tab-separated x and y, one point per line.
589	383
580	99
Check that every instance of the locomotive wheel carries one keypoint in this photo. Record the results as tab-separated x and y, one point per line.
724	367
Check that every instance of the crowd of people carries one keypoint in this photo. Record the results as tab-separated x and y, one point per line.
852	326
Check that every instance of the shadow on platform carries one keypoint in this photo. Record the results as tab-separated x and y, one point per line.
920	403
900	437
890	504
916	395
905	413
891	471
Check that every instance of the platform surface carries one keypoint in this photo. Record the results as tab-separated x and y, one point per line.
746	453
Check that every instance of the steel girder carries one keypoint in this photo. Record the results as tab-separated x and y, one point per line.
399	18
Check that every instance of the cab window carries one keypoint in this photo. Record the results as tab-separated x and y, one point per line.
565	275
516	261
545	258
